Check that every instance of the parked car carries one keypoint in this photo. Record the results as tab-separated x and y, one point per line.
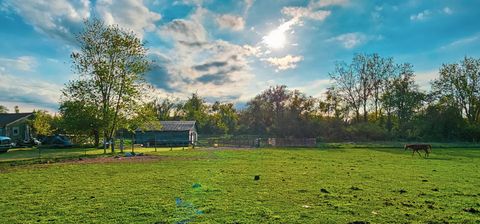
29	143
56	141
5	144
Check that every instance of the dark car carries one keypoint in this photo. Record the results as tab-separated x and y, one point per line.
5	144
28	143
56	141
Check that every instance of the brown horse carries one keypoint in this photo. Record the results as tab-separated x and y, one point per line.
418	147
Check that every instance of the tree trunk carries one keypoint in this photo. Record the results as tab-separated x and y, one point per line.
96	137
105	143
112	144
365	113
389	122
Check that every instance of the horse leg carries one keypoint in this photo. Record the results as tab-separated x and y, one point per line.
419	153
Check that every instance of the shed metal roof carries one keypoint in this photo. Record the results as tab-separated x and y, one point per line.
169	126
8	118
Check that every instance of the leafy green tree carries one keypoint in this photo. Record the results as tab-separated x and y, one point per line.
460	84
404	98
280	112
110	63
196	109
224	117
79	118
440	121
3	109
167	109
42	123
362	83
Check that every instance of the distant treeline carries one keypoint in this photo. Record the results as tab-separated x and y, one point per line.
370	98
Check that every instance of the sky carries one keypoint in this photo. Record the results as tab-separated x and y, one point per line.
231	50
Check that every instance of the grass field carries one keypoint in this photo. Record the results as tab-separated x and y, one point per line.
341	185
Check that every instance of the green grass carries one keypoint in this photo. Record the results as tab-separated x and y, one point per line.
375	185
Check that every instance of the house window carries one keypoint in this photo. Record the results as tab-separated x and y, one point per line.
15	131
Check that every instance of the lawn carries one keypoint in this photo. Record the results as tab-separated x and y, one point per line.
342	185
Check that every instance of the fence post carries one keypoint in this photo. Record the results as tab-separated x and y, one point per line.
155	141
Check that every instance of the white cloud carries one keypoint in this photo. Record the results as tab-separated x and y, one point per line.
182	30
63	18
448	10
277	37
421	15
325	3
315	88
350	40
60	18
235	23
130	14
248	5
462	42
284	63
424	79
215	69
23	63
22	91
303	12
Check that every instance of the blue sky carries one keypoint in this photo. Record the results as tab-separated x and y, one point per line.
231	50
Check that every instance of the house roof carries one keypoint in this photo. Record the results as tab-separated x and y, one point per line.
6	118
169	126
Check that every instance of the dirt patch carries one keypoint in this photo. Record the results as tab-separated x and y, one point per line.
140	159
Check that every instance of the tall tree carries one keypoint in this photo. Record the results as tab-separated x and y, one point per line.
196	109
460	83
362	83
404	98
110	63
347	86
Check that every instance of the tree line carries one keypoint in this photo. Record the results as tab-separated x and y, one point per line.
370	98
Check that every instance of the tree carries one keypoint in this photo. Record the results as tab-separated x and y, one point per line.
80	118
460	84
224	117
16	109
347	86
167	109
3	109
332	104
110	64
42	123
196	109
403	97
280	112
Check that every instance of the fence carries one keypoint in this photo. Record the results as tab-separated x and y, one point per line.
255	141
292	142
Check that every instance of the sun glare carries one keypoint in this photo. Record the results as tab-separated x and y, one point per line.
275	39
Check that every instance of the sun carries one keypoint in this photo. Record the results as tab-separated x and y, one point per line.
275	39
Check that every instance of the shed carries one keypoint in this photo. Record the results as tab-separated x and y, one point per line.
167	133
